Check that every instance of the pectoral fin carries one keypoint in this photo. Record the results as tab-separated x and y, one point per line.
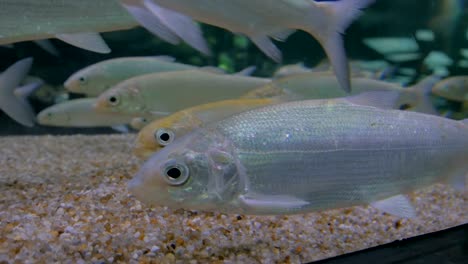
271	203
88	40
398	205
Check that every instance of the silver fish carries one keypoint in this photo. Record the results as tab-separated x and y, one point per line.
76	22
80	113
306	156
261	19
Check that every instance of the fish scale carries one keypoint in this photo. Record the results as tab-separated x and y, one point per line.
305	156
363	150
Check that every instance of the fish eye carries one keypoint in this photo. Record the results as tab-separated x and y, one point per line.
113	100
176	174
164	136
83	80
405	106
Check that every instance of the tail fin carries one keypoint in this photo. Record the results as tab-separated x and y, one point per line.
13	106
422	91
339	15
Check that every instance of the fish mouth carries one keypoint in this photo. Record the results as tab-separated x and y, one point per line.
141	151
102	106
69	86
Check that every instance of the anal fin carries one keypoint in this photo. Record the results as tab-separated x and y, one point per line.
87	40
265	44
398	205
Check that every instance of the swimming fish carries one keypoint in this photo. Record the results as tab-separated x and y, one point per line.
96	78
453	88
75	22
306	156
162	132
15	105
168	92
261	19
316	85
80	113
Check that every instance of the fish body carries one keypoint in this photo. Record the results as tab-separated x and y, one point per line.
305	156
80	113
316	85
453	88
260	20
162	132
24	20
168	92
95	79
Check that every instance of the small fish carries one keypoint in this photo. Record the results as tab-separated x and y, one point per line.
168	92
317	85
97	78
12	99
261	20
453	88
80	113
306	156
161	132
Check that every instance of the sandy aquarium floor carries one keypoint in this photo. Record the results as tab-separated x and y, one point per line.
64	199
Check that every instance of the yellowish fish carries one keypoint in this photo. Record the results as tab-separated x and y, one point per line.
316	85
169	92
162	132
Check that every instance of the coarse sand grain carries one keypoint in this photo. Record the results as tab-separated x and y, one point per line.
64	199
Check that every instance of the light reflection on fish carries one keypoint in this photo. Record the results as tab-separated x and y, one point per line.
306	156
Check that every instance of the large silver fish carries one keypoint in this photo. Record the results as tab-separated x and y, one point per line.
306	156
261	19
76	22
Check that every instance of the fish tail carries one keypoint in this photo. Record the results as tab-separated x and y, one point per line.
339	15
15	107
422	90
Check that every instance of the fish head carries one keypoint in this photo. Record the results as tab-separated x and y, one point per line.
196	172
53	117
139	122
121	99
81	81
162	132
